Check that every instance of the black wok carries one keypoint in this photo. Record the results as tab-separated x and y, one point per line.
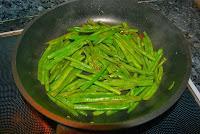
56	21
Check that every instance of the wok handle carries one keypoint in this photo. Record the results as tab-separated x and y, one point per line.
195	92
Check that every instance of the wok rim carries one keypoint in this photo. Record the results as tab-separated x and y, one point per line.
99	126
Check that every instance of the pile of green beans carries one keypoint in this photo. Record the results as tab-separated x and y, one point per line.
100	68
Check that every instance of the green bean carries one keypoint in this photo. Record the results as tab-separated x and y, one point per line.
55	75
128	56
92	95
72	76
163	60
97	113
102	106
56	67
98	97
46	81
108	40
137	49
74	85
77	64
41	64
118	49
128	31
95	78
171	86
42	71
132	106
109	113
103	36
100	84
63	105
82	113
137	91
135	75
159	75
95	35
135	55
129	67
112	68
67	81
62	78
68	93
156	62
119	74
85	29
146	95
146	63
106	49
128	83
148	44
124	73
78	55
70	49
95	88
93	57
52	63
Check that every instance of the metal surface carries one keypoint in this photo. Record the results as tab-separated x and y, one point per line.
195	92
11	33
55	22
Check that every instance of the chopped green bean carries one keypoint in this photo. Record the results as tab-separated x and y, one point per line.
101	84
101	69
95	78
97	113
171	86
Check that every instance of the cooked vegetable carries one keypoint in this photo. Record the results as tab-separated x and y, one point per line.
101	68
171	86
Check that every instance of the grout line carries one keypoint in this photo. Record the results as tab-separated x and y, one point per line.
11	33
195	92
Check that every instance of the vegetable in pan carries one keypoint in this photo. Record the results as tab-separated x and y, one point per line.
101	68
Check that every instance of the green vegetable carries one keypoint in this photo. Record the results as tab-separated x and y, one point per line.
99	97
97	113
103	106
101	84
108	113
95	78
171	86
101	68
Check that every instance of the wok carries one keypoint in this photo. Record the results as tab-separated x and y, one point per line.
76	12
